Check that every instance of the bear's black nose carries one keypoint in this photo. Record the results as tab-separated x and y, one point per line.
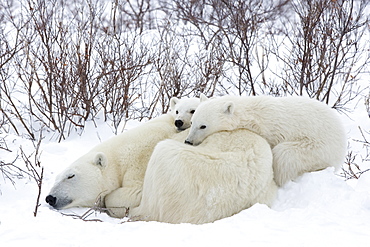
51	200
187	142
179	123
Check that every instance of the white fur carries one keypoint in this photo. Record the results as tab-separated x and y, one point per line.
183	109
228	172
113	169
305	134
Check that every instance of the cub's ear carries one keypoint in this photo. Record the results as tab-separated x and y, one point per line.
173	102
203	97
229	108
100	160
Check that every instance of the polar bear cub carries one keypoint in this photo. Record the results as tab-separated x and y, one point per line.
183	109
304	134
228	172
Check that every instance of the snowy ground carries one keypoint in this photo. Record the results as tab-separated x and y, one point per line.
318	209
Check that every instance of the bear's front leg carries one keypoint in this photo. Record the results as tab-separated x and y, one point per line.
119	201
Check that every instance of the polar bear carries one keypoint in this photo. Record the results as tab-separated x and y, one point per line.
304	134
228	172
183	109
113	170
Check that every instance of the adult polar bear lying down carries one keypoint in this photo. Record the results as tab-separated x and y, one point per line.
115	168
112	169
230	171
305	134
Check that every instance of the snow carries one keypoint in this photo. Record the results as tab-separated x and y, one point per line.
318	209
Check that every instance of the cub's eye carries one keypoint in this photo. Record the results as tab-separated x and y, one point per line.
192	111
202	127
177	112
70	176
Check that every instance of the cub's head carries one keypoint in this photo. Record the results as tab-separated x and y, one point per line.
81	184
211	116
183	109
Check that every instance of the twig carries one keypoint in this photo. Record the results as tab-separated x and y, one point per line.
351	173
90	211
39	184
33	168
9	170
3	145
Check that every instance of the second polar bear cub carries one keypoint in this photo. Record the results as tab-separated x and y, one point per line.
304	134
183	109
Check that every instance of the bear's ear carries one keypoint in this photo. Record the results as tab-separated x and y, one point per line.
100	160
228	108
203	97
173	102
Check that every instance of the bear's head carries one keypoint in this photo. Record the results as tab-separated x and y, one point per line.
183	109
211	116
82	183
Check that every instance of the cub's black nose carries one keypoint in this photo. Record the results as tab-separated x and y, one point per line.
179	123
51	200
187	142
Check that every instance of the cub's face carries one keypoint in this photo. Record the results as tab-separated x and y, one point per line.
183	110
80	185
211	117
201	127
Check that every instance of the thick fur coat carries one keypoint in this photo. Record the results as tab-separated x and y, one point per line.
305	134
113	170
230	171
